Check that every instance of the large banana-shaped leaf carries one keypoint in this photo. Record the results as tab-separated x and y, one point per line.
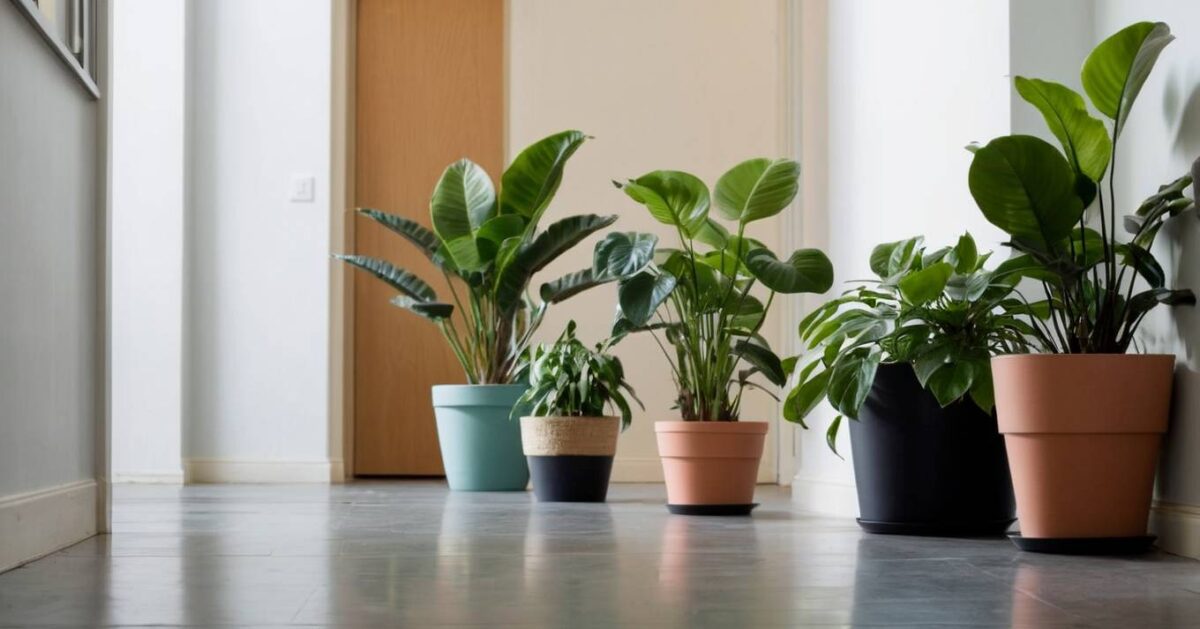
673	198
399	279
805	271
1083	138
757	188
462	202
1114	73
622	254
641	295
570	285
560	236
530	182
410	230
1025	187
432	310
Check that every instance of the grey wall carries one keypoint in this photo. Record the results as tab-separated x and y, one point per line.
49	222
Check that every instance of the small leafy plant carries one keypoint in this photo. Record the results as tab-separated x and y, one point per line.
940	311
567	379
698	299
1041	197
488	247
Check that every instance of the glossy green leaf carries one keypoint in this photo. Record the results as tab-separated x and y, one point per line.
831	434
1084	138
952	381
757	189
641	295
410	230
926	285
852	378
530	182
570	285
966	254
804	398
712	234
672	197
1025	187
557	239
1144	263
620	254
429	309
1115	71
463	200
399	279
805	271
764	360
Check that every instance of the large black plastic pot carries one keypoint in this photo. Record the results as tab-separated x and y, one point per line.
926	470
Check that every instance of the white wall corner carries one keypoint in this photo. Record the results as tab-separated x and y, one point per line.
37	523
1177	527
231	471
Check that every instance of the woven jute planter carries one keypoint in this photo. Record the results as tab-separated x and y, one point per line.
570	458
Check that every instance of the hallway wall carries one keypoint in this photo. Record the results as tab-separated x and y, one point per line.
50	237
684	85
256	307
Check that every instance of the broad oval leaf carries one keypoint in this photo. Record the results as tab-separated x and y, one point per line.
852	378
494	232
952	381
530	182
673	197
712	234
757	188
621	254
1115	71
966	254
926	285
764	360
1084	138
641	295
804	398
463	200
1025	187
805	271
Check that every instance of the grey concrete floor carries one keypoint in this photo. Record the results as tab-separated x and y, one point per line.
412	554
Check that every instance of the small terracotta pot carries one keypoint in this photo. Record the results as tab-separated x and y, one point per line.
1083	433
710	467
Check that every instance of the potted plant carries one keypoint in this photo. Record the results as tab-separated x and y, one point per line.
488	246
567	437
1084	423
906	357
698	301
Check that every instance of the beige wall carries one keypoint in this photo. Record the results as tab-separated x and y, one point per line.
693	85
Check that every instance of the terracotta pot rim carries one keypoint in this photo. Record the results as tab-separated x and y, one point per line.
1012	357
738	427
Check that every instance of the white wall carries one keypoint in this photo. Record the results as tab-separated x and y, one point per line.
147	239
257	269
670	84
1159	144
50	288
909	84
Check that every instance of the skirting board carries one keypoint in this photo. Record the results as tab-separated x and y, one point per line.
825	497
148	478
37	523
226	471
1177	527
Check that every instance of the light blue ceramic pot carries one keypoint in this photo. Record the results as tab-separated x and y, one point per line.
481	446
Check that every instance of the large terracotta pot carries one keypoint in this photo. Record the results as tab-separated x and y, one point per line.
1083	433
710	467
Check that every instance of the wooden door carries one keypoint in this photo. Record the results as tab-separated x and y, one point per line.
429	89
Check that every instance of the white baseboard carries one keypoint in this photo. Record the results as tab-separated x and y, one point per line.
1177	527
825	497
37	523
149	478
227	471
337	471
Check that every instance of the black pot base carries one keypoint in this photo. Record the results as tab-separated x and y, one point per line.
992	528
711	509
570	478
1085	545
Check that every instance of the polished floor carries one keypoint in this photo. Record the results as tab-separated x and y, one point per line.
415	555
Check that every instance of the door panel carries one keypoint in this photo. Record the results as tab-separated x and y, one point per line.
429	90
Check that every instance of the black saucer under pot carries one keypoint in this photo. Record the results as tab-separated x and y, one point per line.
926	470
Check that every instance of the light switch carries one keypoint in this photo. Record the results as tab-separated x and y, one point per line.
303	189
